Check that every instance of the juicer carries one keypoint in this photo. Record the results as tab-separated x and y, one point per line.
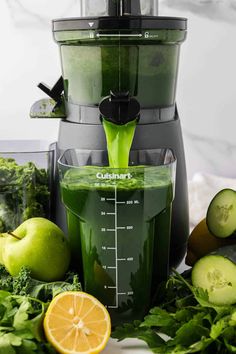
120	62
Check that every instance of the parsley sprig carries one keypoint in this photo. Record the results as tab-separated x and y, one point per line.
21	325
184	322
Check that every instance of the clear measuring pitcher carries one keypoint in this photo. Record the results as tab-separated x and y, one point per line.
119	225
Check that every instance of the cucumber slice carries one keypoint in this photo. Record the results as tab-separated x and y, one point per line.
221	214
217	275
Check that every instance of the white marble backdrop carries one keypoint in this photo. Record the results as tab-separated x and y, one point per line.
206	88
214	9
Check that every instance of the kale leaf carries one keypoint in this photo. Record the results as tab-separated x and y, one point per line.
24	285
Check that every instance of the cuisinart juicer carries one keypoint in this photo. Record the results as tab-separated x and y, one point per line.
120	60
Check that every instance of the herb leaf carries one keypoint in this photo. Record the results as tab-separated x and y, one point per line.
136	331
198	327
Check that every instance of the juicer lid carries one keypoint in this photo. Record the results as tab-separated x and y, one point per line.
119	23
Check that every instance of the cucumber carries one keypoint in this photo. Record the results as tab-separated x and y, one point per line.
221	214
216	273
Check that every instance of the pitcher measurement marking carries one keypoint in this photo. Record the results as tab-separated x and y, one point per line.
115	247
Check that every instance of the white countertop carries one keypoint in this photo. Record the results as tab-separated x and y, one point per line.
128	346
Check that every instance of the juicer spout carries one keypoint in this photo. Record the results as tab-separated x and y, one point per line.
119	108
124	7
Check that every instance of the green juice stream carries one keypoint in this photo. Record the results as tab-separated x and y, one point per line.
119	141
119	228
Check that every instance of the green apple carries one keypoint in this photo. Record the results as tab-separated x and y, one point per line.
39	245
3	238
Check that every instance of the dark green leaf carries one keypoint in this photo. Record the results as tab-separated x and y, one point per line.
190	333
201	345
128	330
158	318
23	284
231	348
184	315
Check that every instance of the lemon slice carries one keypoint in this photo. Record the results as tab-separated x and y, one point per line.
77	323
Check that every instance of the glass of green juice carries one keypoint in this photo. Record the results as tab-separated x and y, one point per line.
119	225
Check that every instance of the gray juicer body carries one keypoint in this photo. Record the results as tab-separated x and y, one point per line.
156	134
124	63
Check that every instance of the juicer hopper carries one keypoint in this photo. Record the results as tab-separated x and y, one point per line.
120	61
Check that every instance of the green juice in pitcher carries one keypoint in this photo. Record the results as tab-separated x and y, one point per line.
119	225
119	221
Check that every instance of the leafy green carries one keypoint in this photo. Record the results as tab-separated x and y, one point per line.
184	322
21	325
135	330
24	193
6	280
23	301
24	285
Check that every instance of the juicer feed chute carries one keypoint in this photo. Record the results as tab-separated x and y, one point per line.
124	8
93	8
